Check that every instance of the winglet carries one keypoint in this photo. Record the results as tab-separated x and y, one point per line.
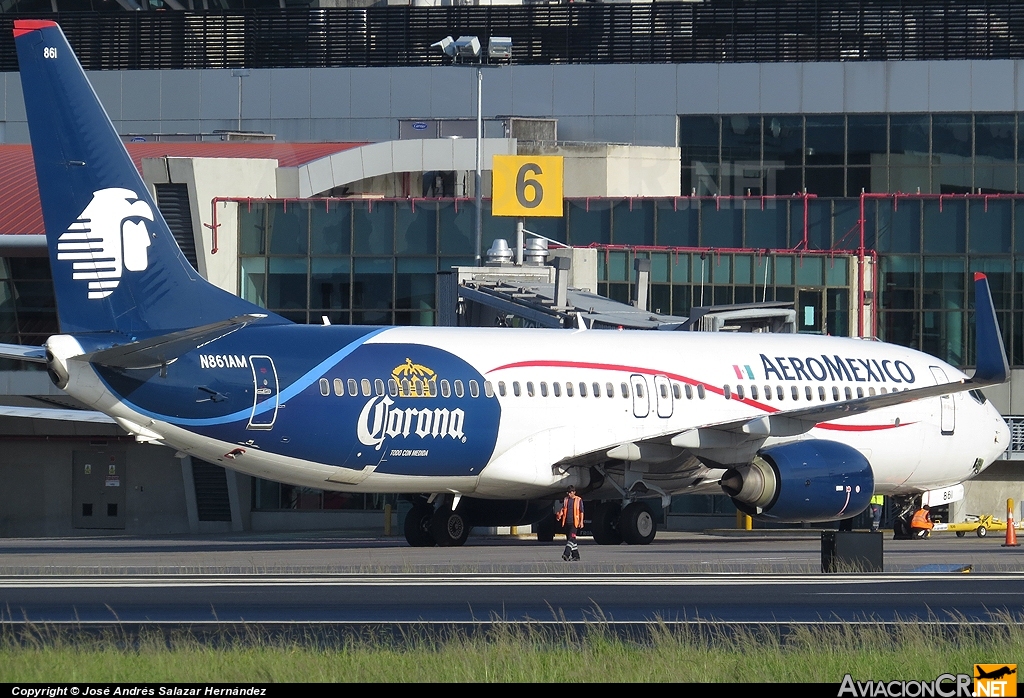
992	366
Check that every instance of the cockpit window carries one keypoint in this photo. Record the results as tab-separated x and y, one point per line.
979	397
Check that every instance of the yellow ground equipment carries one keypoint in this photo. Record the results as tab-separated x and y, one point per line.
981	525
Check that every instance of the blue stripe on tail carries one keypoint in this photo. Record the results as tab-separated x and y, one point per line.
116	267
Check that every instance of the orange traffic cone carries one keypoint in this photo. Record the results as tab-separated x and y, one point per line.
1011	529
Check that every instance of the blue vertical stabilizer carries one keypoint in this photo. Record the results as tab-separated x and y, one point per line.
116	267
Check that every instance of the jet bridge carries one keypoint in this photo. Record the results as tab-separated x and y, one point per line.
543	294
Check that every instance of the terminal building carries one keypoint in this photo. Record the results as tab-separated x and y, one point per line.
860	160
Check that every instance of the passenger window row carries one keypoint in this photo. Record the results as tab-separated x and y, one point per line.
415	387
808	393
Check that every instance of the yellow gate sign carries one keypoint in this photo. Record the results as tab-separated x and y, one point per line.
527	185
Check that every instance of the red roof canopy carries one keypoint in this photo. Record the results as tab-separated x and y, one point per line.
20	212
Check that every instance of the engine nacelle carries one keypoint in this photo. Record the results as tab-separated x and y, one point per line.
812	480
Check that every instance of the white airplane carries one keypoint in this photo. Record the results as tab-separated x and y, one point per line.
480	426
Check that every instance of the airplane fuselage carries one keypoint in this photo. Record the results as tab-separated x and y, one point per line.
506	413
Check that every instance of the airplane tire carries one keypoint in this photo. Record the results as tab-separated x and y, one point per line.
417	526
449	528
637	524
605	525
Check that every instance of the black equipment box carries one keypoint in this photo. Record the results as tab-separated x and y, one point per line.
851	551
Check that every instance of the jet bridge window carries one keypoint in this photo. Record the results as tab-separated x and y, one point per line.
459	392
365	384
446	389
543	389
353	387
325	387
474	389
378	387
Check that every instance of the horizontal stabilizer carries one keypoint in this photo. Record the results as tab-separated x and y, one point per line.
54	413
160	351
22	352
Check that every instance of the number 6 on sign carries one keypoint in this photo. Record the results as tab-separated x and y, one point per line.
527	185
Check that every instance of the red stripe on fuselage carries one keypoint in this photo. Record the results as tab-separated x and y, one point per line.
691	381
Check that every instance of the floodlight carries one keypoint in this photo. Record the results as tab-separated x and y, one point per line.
468	46
499	48
447	44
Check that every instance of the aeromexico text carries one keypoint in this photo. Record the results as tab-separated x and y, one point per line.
837	368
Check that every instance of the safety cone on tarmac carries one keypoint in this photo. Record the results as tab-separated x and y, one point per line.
1011	528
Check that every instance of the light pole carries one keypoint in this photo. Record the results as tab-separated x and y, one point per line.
461	50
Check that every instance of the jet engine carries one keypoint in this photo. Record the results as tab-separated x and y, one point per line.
813	480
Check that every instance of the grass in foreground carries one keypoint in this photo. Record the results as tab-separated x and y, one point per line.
512	655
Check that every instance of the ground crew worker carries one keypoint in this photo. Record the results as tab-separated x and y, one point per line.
876	512
921	525
571	517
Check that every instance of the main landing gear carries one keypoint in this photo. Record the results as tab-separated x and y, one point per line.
635	524
426	527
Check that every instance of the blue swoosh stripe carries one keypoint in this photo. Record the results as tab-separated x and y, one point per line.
291	391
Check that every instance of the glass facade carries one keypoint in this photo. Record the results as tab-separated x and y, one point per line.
844	155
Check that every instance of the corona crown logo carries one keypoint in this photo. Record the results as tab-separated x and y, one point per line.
102	243
415	380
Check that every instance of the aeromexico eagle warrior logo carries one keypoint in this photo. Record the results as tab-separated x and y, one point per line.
380	418
104	241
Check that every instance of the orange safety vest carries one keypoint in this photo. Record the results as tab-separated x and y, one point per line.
921	520
576	503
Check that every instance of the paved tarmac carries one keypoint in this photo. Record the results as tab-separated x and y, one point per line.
335	578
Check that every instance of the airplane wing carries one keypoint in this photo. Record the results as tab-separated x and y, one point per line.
736	440
58	414
160	351
23	352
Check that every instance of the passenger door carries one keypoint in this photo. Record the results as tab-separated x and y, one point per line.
947	407
264	378
641	399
